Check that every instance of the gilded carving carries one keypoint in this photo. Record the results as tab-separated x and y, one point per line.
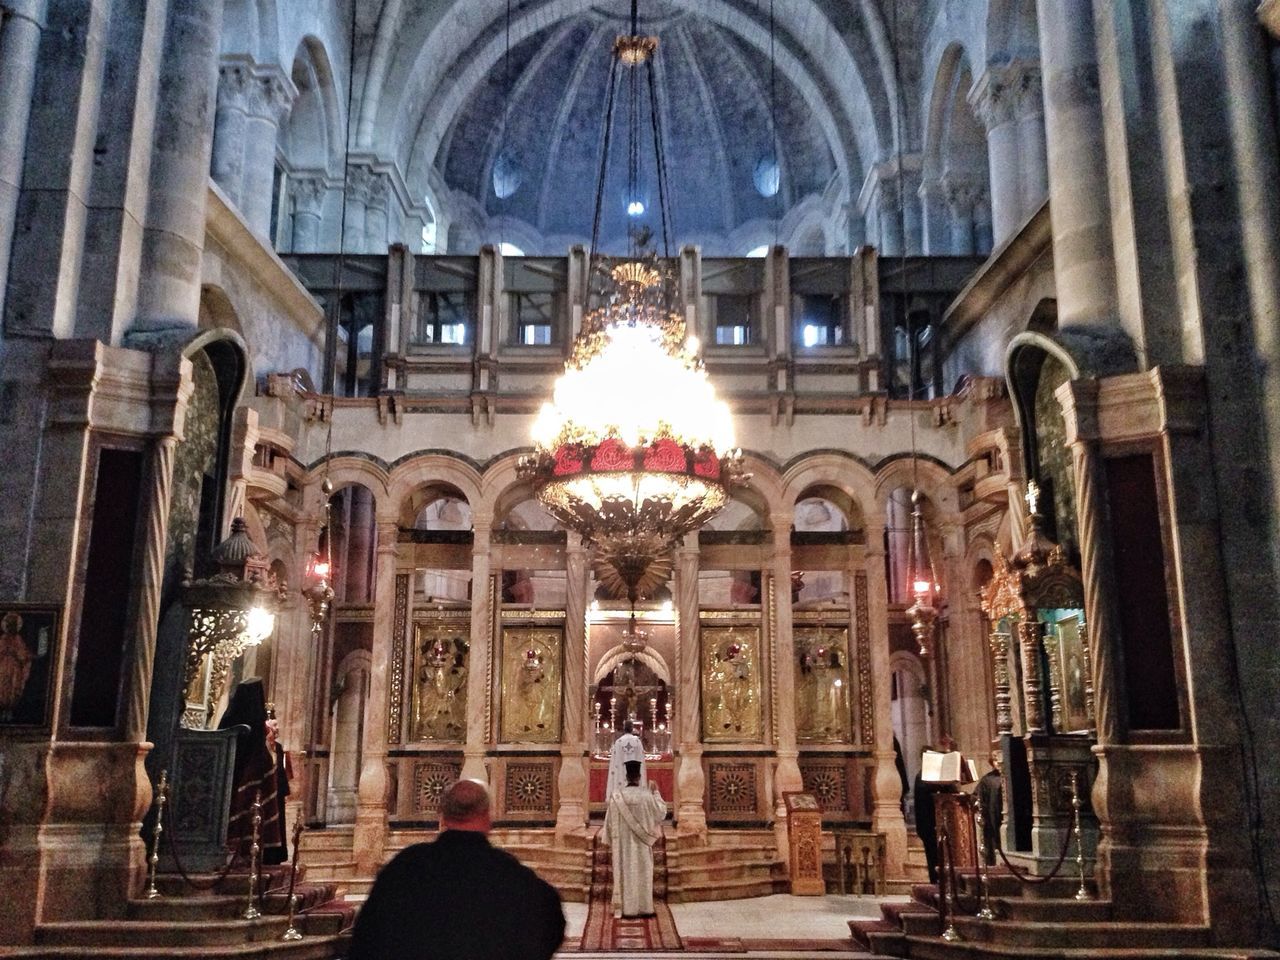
731	708
822	684
430	779
395	693
529	788
862	626
828	781
732	788
531	678
442	656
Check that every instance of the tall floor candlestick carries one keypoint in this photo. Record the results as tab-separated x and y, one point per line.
251	911
153	861
1082	893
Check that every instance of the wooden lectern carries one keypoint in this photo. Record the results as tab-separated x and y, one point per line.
804	837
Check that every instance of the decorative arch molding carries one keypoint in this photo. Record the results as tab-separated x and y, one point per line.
424	470
311	57
617	654
347	471
842	472
933	479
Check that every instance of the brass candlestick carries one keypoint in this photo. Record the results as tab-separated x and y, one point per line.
293	933
984	890
153	861
251	911
1083	893
947	878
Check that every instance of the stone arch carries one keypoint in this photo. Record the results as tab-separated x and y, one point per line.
351	683
432	472
252	27
832	470
344	469
956	178
313	131
650	657
1036	365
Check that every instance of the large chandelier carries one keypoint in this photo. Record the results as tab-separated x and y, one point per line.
634	450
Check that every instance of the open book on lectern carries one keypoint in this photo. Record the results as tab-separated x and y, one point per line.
950	767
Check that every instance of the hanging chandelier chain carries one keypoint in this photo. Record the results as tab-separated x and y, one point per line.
607	136
660	161
773	128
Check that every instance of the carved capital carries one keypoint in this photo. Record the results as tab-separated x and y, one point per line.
308	193
1007	92
962	194
270	94
235	80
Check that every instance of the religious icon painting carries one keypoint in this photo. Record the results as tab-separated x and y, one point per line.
822	684
441	650
28	642
731	705
531	675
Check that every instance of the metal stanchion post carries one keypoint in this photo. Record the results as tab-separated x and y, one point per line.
1082	893
153	861
293	933
984	890
948	874
251	911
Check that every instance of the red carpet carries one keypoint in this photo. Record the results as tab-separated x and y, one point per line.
604	932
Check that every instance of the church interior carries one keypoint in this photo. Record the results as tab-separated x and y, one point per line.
826	389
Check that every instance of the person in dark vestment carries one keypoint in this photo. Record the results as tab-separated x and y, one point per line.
254	774
284	773
459	897
901	765
927	823
991	799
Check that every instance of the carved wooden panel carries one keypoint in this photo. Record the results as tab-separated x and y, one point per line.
828	780
732	790
804	834
529	788
430	778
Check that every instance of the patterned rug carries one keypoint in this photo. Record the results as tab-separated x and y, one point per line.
605	932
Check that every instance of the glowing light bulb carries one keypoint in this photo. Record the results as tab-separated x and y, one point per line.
258	624
635	208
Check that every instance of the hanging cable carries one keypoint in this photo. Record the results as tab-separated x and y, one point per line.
660	162
606	137
502	160
775	151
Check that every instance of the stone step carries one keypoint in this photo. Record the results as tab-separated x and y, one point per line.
1024	933
126	933
729	889
186	909
935	948
1048	910
309	948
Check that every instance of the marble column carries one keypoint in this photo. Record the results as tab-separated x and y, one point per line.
937	230
271	97
353	229
360	550
235	80
786	777
173	237
308	211
886	785
1028	112
889	218
482	643
19	48
376	218
571	817
994	98
691	782
961	195
370	835
1084	266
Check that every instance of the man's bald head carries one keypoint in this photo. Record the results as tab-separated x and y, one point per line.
465	806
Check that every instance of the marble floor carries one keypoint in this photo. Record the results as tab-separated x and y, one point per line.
780	917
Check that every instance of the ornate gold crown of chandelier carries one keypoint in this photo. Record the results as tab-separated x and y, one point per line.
634	450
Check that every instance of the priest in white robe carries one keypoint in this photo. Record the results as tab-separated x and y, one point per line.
632	825
626	747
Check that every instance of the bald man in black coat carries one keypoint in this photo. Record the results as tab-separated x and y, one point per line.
459	898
